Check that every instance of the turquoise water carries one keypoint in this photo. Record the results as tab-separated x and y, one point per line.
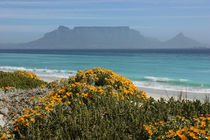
172	70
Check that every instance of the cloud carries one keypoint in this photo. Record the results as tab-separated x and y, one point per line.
44	16
80	2
56	14
45	28
64	10
62	2
37	3
83	14
190	7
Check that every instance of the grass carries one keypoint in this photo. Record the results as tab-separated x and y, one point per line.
99	104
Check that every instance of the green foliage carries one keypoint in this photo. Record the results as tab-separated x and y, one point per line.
99	104
107	118
18	80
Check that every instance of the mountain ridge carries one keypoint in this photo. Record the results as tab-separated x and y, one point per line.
103	37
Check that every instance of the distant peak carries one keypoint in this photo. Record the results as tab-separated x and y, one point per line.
101	28
180	35
63	28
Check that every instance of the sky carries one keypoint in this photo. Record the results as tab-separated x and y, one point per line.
27	20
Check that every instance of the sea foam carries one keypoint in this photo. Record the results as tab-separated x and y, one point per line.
41	72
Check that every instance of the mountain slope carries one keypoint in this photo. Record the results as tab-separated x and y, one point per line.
97	37
92	38
181	41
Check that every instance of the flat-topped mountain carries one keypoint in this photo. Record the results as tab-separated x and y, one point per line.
90	38
98	37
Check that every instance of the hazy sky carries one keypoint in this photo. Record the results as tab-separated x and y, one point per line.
26	20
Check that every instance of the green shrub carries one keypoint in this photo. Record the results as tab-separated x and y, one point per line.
105	118
99	104
18	80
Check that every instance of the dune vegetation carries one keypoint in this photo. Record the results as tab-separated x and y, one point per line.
19	80
99	104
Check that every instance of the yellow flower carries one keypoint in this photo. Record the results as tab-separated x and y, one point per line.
147	128
191	128
32	98
27	124
196	130
202	124
192	134
147	98
161	122
203	131
156	123
182	137
172	132
68	93
16	128
178	132
32	119
38	114
47	108
4	136
122	97
150	132
197	119
80	102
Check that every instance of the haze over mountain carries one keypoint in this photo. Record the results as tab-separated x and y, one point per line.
180	41
121	37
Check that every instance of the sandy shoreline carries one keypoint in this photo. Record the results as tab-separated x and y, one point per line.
49	79
155	93
152	92
158	93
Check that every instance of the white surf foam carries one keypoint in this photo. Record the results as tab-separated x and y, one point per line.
159	83
163	79
41	72
166	87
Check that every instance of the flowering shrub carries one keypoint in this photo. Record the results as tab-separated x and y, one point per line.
180	128
19	80
97	103
114	84
28	74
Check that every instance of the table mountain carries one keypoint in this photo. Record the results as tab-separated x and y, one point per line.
99	37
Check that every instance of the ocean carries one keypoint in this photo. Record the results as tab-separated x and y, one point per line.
174	69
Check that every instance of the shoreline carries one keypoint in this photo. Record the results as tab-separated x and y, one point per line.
153	92
166	94
157	93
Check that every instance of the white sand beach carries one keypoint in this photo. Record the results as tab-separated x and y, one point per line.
158	93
